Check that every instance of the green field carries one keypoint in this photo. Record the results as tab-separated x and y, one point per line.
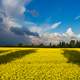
39	64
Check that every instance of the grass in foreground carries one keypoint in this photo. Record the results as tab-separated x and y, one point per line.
39	64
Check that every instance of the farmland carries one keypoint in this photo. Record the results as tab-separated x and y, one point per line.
39	64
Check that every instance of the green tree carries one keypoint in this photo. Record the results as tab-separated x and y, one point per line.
20	44
72	43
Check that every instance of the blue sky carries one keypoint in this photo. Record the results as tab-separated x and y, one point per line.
39	21
51	11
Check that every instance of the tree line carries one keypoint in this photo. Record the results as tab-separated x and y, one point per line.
62	44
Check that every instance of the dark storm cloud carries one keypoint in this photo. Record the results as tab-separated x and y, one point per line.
2	25
0	3
17	31
23	31
1	19
10	32
9	38
13	35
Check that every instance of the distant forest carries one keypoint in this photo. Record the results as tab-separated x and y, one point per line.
71	44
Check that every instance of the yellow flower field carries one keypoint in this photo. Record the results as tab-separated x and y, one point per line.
39	64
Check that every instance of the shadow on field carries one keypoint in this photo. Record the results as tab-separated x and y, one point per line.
2	51
73	56
14	55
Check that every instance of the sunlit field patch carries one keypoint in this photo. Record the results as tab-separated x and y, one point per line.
39	64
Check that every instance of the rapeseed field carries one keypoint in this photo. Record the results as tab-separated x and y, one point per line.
39	64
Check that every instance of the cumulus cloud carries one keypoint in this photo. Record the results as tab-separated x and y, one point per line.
14	7
54	38
17	8
11	23
69	33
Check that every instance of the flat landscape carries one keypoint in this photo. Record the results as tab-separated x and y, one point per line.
39	64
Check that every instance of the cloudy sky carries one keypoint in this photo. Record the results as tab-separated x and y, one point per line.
39	21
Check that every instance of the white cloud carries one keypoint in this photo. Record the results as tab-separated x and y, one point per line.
48	27
10	22
79	35
70	33
10	3
15	7
46	37
44	29
55	25
12	12
36	29
55	38
78	17
36	40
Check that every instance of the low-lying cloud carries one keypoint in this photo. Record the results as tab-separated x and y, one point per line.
23	31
